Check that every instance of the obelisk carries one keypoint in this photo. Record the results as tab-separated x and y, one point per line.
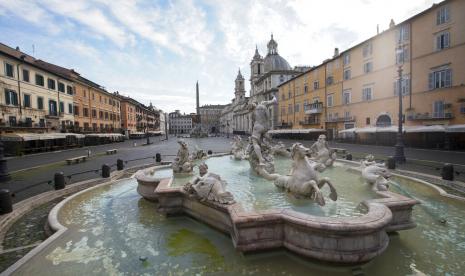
197	97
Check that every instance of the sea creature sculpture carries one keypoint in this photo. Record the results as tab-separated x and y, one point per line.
182	163
322	154
303	179
209	187
375	174
237	148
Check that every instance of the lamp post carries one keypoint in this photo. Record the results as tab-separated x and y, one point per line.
227	129
399	147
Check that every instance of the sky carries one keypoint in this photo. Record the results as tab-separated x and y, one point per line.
155	50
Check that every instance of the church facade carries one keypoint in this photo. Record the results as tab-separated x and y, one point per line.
266	74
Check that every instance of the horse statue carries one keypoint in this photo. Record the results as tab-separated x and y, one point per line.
303	179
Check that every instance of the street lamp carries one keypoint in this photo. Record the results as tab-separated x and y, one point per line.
399	152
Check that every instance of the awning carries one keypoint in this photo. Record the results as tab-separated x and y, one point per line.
456	129
433	128
37	136
349	130
104	135
296	131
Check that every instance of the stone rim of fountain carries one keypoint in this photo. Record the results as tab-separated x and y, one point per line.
340	240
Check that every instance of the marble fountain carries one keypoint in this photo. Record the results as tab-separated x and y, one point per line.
260	209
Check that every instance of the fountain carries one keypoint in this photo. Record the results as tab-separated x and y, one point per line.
263	200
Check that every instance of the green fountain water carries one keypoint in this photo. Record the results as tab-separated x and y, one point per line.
112	230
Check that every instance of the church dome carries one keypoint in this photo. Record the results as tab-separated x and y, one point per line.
273	61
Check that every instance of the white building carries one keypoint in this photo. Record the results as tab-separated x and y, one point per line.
180	123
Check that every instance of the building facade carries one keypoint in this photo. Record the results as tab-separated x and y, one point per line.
210	117
33	97
128	114
361	85
180	123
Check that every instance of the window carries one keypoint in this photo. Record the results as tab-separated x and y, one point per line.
62	107
25	75
100	114
402	55
305	89
70	108
368	120
329	100
61	87
346	59
93	96
84	93
316	85
297	108
367	49
367	94
346	97
51	84
40	103
76	110
347	114
85	112
405	86
283	111
27	100
9	72
403	33
347	74
39	80
442	41
281	78
69	90
368	67
106	115
11	97
438	109
440	79
329	80
442	15
289	94
289	109
94	113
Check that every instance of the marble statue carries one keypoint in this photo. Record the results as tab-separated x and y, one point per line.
182	163
237	148
259	151
198	154
321	152
208	187
280	149
303	179
375	174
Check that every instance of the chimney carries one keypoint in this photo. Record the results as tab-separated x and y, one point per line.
391	24
336	52
17	48
377	28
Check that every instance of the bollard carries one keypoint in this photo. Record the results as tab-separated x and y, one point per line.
59	181
106	171
447	172
119	164
6	205
391	163
158	158
348	156
210	152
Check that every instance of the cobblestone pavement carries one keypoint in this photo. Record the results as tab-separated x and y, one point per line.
36	172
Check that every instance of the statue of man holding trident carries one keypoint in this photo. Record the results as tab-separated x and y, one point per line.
259	153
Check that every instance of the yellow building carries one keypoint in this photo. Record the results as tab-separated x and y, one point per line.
362	82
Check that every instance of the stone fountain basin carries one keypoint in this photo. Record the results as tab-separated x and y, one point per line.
340	240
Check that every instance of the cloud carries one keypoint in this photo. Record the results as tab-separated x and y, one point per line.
157	50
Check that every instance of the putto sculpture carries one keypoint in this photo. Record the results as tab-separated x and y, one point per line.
303	179
280	149
237	148
182	163
198	154
259	152
208	187
375	174
321	152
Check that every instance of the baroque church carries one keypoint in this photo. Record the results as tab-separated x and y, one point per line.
266	74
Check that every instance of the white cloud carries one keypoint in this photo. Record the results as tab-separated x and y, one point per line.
156	52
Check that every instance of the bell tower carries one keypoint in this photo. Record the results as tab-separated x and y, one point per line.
239	90
256	70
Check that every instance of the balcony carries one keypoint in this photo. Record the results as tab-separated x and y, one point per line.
313	108
311	120
341	119
428	116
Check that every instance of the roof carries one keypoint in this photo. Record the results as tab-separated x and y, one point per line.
274	62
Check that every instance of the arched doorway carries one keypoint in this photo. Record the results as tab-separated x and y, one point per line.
383	121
